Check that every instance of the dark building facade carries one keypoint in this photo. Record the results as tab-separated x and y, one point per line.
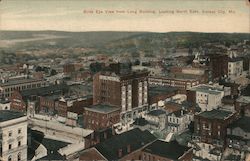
210	126
99	117
127	91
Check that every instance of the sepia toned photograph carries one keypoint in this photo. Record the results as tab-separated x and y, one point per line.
124	80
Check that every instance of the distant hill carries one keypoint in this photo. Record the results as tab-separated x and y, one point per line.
114	42
58	39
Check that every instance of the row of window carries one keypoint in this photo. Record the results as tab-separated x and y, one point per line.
19	131
19	158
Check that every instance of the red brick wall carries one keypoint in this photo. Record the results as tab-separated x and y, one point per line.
62	108
90	154
17	103
98	121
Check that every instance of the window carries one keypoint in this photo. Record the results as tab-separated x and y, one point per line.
19	143
10	146
10	133
19	131
9	158
19	157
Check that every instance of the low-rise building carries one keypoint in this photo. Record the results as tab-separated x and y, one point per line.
158	118
4	104
182	83
178	121
170	151
235	67
7	87
101	116
206	96
126	146
238	134
158	95
210	126
13	136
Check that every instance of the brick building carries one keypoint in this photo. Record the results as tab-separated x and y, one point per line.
210	126
19	99
7	87
101	116
181	82
128	91
158	94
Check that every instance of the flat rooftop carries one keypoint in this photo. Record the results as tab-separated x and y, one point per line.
206	89
157	90
6	115
11	82
102	108
157	112
171	150
216	114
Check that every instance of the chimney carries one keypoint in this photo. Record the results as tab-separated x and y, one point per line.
113	131
120	153
92	136
128	148
105	135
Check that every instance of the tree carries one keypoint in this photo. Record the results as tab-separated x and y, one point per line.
53	72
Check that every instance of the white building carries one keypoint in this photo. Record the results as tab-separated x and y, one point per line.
208	97
13	136
4	105
178	121
235	68
157	118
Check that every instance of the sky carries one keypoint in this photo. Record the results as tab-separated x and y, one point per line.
68	15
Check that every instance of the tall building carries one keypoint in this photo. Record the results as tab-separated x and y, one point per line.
127	91
13	136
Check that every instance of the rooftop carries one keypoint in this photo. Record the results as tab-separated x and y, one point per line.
102	108
157	112
52	147
241	123
157	90
235	59
43	91
171	150
134	138
18	81
6	115
216	114
207	89
179	113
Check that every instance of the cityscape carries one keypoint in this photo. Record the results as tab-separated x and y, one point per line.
150	98
116	80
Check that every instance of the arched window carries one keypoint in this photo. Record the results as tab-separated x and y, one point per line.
19	156
9	158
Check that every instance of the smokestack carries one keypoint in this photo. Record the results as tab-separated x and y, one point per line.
105	135
120	153
128	148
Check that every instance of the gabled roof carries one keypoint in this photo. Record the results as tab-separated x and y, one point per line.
171	150
135	138
242	123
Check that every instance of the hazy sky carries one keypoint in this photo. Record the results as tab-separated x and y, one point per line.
68	15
